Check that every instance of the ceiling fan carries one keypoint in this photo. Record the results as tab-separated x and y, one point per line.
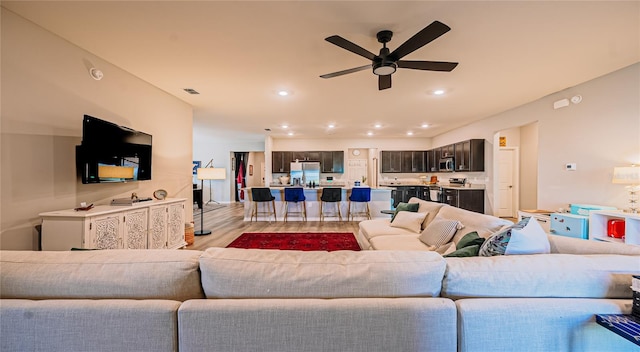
386	63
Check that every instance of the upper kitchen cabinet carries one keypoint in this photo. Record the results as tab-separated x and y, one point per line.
391	161
469	155
447	151
332	162
414	161
433	157
306	156
281	161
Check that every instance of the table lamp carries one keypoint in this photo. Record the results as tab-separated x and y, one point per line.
629	175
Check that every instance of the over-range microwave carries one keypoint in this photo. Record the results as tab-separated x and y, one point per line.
447	165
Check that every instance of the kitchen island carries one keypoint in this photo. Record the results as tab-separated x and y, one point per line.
380	200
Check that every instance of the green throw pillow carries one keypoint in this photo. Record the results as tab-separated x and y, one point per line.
469	251
470	239
412	207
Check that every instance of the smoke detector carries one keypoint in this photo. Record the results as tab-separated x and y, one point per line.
95	73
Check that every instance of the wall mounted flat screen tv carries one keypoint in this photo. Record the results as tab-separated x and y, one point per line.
112	153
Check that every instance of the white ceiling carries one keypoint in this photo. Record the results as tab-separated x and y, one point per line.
238	54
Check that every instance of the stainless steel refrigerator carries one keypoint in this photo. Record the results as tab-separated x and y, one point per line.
304	173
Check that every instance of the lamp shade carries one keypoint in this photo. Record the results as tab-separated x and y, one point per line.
110	171
211	173
628	175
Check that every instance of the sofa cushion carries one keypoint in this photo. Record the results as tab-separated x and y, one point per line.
525	237
96	325
409	221
408	242
257	273
379	227
127	273
483	224
404	207
439	232
541	275
427	207
570	245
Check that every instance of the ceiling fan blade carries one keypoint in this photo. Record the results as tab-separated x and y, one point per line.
425	36
428	65
384	82
344	72
347	45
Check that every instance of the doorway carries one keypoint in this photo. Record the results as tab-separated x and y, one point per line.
507	172
248	171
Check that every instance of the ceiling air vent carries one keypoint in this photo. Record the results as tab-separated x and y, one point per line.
191	91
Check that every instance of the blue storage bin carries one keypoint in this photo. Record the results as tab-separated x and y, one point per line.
570	225
584	209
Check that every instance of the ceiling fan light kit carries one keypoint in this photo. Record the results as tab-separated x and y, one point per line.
386	63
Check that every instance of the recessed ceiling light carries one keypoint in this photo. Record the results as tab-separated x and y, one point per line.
424	125
369	133
283	93
290	133
409	133
331	125
285	126
438	92
377	125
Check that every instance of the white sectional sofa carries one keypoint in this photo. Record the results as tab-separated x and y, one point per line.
379	234
227	299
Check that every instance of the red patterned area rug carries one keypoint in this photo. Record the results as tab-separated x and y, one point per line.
301	241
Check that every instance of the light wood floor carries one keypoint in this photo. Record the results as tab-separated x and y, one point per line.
226	224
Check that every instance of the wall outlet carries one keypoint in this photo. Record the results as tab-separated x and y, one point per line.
571	167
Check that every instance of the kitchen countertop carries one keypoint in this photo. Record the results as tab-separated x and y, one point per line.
446	186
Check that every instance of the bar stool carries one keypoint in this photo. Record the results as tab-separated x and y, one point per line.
262	195
359	195
331	195
294	195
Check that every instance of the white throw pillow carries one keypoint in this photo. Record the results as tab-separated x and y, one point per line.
409	220
440	231
525	237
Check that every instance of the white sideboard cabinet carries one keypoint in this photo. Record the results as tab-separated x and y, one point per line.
153	224
598	220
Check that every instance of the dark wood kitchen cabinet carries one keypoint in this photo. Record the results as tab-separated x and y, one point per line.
472	200
406	161
414	161
469	155
391	161
433	158
281	161
306	156
404	193
447	151
332	162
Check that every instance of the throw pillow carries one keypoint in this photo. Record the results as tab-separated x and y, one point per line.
468	251
409	220
439	232
413	207
525	237
470	239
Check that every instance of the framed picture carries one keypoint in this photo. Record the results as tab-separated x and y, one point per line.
196	165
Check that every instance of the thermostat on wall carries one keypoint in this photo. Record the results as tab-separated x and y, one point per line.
571	167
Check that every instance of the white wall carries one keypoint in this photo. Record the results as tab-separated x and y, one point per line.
45	90
601	132
220	150
529	166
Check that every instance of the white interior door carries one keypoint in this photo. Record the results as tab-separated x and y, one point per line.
506	182
356	169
